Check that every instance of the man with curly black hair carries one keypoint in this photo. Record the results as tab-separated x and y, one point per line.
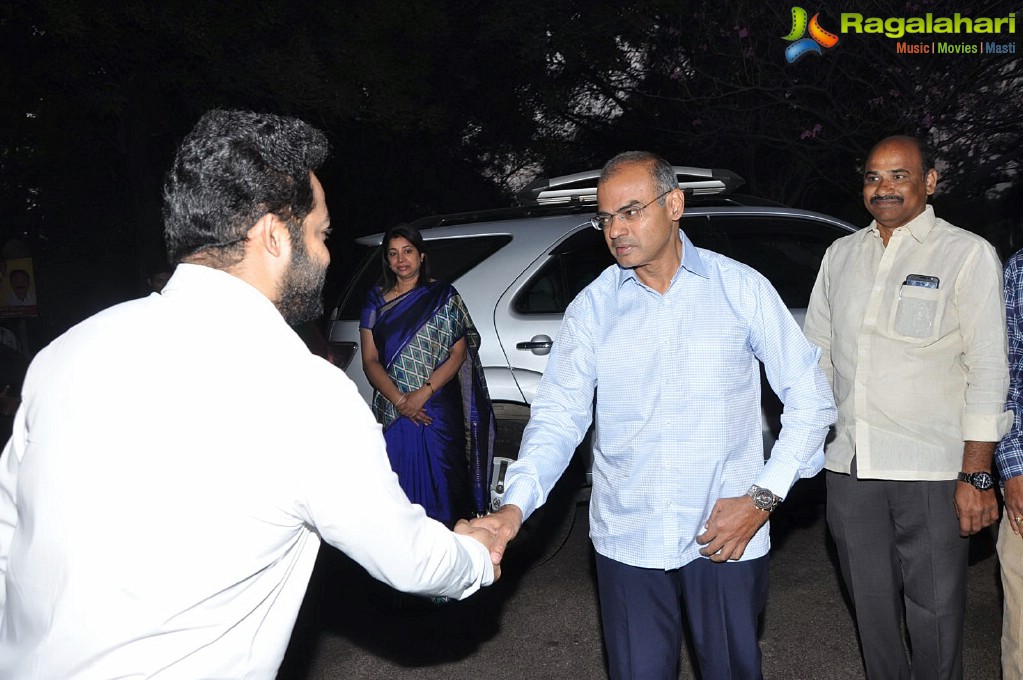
174	535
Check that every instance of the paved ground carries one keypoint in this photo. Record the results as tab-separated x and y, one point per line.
541	620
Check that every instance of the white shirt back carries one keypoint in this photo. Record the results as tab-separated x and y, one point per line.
172	463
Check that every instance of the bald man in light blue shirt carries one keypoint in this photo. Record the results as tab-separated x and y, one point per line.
670	340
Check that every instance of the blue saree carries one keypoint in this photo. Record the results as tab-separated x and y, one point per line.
445	466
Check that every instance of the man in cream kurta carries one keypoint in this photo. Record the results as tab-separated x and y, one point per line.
908	313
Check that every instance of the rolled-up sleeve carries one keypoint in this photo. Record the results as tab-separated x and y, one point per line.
982	324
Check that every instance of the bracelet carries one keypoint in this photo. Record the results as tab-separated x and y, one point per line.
432	391
400	401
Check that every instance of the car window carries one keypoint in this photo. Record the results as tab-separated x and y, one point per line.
704	233
450	258
579	259
572	266
787	250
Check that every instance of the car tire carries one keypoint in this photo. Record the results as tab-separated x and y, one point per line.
510	420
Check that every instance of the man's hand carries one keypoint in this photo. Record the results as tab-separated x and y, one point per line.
485	537
503	525
1014	503
976	509
732	524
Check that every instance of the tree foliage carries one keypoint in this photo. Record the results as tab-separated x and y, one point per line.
442	105
710	86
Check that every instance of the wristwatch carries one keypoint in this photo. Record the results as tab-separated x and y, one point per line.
981	480
764	499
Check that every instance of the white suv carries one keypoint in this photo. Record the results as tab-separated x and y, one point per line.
518	268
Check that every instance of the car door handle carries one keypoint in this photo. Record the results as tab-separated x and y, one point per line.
534	345
539	345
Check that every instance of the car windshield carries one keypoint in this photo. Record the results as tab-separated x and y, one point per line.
450	258
786	250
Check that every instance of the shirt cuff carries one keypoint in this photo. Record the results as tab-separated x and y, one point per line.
519	494
482	567
979	427
778	480
780	473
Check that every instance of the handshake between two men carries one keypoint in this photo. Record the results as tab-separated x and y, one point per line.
732	523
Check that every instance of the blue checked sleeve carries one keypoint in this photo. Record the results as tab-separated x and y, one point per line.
1009	455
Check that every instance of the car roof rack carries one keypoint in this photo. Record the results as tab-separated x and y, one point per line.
581	187
554	209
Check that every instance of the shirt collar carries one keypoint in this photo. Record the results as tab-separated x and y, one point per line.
918	227
220	287
690	261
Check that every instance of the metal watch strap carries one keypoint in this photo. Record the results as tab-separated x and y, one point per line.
763	499
982	481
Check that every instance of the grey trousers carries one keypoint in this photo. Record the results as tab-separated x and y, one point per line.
901	555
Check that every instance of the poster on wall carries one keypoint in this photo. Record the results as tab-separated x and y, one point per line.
17	288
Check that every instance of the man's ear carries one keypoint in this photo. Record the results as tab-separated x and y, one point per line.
931	181
677	203
270	234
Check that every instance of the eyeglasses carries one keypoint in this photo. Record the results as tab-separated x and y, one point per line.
602	221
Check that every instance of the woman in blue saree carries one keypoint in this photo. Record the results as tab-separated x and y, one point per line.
420	353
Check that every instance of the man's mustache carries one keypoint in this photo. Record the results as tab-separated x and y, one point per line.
892	197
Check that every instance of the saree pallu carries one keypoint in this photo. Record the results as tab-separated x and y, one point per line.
444	466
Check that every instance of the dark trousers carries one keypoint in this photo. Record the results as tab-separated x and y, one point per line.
901	554
642	618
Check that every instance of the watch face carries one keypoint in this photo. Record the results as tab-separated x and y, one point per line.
763	499
982	480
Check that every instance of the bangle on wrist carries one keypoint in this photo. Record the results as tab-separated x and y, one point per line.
432	391
400	401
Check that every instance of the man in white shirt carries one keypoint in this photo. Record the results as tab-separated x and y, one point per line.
173	535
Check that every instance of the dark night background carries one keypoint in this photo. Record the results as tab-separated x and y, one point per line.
440	106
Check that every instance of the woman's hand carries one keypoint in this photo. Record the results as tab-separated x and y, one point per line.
411	405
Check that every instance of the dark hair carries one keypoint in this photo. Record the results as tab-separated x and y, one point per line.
661	170
388	279
231	169
925	150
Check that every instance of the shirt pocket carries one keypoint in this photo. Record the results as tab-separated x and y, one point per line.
917	313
